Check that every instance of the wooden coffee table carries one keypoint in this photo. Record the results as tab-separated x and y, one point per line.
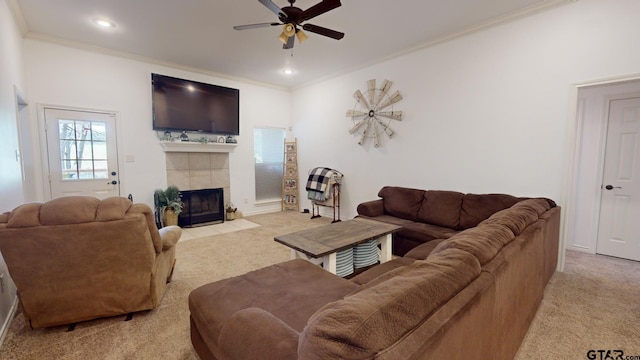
320	245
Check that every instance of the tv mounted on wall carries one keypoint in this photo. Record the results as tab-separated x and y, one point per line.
185	105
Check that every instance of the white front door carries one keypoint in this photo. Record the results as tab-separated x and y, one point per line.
619	226
82	152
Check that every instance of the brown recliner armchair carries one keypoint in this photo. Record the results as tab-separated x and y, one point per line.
79	258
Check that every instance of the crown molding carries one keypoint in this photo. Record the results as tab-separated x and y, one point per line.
16	11
510	17
126	55
528	11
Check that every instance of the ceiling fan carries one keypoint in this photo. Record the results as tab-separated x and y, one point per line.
292	18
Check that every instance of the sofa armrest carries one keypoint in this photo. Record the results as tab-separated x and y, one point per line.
253	333
170	236
371	208
4	218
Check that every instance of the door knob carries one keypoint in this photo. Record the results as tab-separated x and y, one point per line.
611	187
114	182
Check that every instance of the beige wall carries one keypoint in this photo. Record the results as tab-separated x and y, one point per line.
486	112
65	76
11	77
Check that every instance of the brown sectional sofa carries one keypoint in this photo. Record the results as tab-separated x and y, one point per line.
426	215
472	295
79	258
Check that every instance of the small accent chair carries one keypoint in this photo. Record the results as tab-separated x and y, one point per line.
80	258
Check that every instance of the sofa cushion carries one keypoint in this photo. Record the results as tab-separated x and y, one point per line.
69	210
423	251
362	324
292	291
381	269
444	257
401	245
422	232
476	208
482	242
515	218
401	202
539	205
271	339
389	220
441	208
113	208
415	231
25	216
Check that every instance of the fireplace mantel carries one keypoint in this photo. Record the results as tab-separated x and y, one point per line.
192	146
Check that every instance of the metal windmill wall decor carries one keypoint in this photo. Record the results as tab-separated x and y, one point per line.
372	114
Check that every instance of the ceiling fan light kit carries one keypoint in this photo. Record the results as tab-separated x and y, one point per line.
301	36
293	17
287	31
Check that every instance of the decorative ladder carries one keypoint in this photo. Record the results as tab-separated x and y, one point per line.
290	176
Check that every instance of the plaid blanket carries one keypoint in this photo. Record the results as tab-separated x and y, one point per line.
318	182
319	179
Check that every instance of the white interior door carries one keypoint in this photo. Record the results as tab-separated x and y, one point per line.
82	153
619	226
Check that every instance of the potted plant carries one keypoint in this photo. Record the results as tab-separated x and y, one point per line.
168	204
231	211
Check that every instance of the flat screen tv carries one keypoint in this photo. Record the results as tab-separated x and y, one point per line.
185	105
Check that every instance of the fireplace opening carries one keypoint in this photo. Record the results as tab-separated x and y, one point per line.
201	207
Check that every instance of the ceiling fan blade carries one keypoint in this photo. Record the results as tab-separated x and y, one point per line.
255	26
318	9
289	44
323	31
273	7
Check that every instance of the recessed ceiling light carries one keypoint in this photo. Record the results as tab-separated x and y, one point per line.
288	71
104	23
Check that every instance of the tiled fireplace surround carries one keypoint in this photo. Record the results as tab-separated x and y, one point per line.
198	170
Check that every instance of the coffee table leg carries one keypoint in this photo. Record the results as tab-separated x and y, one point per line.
385	247
329	263
298	255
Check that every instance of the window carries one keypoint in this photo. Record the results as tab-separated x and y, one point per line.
83	149
268	148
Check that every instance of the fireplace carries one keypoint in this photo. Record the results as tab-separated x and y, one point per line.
201	207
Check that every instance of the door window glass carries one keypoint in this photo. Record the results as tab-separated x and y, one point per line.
83	149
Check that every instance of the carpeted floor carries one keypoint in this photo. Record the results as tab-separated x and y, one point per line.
594	304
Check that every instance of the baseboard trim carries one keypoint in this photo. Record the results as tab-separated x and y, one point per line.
260	212
7	321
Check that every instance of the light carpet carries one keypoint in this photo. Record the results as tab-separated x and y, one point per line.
594	304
